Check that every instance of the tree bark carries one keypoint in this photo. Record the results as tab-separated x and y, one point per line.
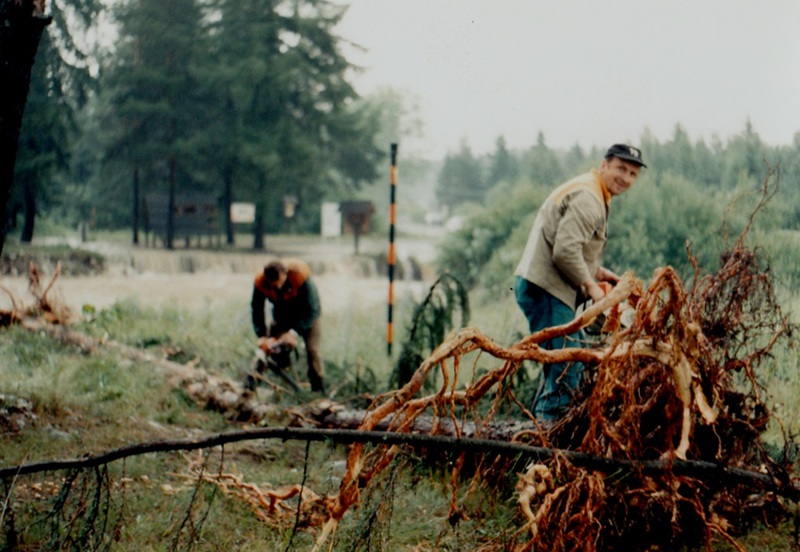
258	228
333	418
227	201
21	27
136	203
29	210
171	207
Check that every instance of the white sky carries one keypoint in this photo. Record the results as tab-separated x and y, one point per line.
582	71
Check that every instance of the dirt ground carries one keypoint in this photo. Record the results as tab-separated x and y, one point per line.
202	278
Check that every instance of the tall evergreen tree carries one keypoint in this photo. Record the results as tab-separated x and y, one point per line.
461	179
680	154
503	166
745	159
285	122
542	165
575	161
155	88
60	83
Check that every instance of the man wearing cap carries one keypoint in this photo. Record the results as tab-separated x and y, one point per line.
561	265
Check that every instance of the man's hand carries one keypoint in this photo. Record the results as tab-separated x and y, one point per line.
266	344
597	290
269	344
594	290
605	275
289	338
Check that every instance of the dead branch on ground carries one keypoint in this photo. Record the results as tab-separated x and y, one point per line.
679	387
680	383
53	311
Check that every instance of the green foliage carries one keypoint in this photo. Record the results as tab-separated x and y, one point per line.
651	226
461	179
398	115
256	105
155	88
469	253
542	165
691	195
782	248
502	164
432	320
60	82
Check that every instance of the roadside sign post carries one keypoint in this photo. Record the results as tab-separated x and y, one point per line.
390	256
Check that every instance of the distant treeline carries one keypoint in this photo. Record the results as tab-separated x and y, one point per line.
246	100
692	195
251	102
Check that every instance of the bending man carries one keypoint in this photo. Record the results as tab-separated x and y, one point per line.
288	286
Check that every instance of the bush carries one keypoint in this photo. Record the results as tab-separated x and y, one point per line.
649	227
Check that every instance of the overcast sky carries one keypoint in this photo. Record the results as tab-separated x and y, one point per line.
582	72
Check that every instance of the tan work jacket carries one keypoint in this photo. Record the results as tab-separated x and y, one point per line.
569	234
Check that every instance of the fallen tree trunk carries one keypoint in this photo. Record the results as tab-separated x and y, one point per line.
332	416
219	394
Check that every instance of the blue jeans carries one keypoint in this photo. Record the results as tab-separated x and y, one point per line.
561	380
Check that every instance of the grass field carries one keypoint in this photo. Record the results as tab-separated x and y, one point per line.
82	402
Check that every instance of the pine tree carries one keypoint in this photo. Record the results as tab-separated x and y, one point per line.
285	121
503	167
155	90
461	179
35	145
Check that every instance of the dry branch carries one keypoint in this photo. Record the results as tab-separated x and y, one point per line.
665	390
712	472
673	402
213	392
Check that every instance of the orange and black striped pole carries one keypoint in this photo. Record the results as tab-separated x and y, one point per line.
390	257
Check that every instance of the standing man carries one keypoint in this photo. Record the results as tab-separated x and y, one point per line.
288	286
560	266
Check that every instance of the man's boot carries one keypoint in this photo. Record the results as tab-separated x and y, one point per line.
317	384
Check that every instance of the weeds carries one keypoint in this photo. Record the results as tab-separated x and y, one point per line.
89	402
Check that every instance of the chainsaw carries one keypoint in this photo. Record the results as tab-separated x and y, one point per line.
277	360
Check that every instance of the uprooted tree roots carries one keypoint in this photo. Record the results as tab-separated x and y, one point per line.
679	382
45	307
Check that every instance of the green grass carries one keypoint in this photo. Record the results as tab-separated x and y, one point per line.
102	400
93	402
